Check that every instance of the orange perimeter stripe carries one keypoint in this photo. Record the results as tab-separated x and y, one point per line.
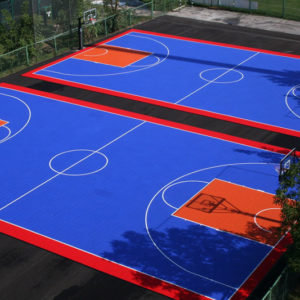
236	209
111	55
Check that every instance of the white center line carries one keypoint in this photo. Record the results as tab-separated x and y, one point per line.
212	81
74	164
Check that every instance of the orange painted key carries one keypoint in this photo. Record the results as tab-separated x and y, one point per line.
236	209
111	55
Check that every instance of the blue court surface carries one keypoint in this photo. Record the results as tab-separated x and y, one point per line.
249	84
106	185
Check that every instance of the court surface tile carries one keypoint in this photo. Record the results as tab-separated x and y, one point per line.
251	86
184	214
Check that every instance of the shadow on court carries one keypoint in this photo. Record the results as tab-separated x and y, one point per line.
282	78
211	256
268	156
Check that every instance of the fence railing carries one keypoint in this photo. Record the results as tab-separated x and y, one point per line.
21	58
289	9
282	286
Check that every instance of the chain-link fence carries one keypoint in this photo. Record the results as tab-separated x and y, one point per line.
29	55
69	40
125	17
289	9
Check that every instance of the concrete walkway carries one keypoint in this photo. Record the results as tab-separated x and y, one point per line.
239	19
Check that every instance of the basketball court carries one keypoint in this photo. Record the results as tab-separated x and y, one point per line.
185	212
244	85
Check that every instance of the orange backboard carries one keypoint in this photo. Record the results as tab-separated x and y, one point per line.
111	55
236	209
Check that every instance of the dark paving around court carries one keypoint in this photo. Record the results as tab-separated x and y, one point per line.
43	275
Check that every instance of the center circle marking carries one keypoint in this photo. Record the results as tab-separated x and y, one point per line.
215	75
82	160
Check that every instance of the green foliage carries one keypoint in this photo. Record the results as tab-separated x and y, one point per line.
111	6
288	189
16	33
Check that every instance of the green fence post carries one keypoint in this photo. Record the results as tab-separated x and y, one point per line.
165	6
283	8
27	55
55	46
250	5
152	4
129	17
105	27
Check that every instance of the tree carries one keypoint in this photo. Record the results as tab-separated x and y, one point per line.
288	189
16	33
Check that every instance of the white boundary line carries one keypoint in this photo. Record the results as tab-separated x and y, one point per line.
143	122
230	46
261	261
247	186
98	256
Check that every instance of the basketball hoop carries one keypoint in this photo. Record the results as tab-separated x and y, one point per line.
90	16
93	21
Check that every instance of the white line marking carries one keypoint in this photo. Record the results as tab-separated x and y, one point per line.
260	262
172	182
78	174
263	210
149	65
212	81
8	133
221	82
26	123
286	100
98	256
221	230
99	54
68	168
171	185
208	168
118	73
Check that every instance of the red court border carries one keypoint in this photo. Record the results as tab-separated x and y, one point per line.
123	272
160	102
190	128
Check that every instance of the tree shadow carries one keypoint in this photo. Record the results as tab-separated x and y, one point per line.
253	231
219	260
284	78
280	77
269	157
